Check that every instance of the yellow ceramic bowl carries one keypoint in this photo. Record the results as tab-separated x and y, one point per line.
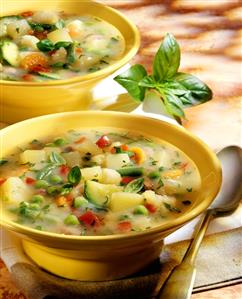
113	256
21	100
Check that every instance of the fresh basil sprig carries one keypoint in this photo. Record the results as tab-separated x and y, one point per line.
135	186
176	90
74	176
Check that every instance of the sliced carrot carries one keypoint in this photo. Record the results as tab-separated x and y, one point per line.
26	14
27	77
80	140
124	147
2	180
171	174
31	61
61	201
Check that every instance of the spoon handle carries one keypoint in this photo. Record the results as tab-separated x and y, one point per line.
179	284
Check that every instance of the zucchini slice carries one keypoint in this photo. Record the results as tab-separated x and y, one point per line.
49	75
9	52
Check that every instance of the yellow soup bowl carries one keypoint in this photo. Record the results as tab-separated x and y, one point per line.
114	256
22	100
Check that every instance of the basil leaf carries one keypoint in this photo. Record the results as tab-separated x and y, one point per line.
45	45
67	188
134	186
167	59
173	104
148	81
3	161
45	171
198	91
62	44
74	176
56	158
36	27
71	57
130	80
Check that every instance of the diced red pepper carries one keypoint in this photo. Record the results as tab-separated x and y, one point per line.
41	192
103	141
112	150
2	180
126	179
27	77
89	218
64	169
150	207
52	52
80	140
124	226
40	68
41	35
183	165
26	14
29	181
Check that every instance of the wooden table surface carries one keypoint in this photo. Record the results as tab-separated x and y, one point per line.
209	32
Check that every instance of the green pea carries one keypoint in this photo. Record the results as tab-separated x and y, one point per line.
41	184
60	141
53	190
34	206
37	198
71	220
79	202
141	210
55	179
154	175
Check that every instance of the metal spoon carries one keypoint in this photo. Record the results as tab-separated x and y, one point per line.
179	284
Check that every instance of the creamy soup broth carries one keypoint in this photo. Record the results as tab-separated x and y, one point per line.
97	183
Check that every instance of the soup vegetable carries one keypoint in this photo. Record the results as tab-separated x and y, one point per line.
48	45
97	183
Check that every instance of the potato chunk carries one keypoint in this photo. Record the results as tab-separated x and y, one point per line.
116	161
32	156
59	35
110	176
14	190
18	28
121	201
45	17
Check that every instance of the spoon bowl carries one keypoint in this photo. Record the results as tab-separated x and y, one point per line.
230	192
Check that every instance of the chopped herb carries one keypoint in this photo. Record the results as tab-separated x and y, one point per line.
3	161
189	189
170	208
161	168
38	227
94	69
186	202
160	184
123	217
176	163
154	174
17	29
114	39
103	61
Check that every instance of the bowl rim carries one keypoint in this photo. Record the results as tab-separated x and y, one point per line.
179	221
166	227
101	73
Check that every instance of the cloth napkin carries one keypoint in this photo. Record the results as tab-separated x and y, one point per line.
218	264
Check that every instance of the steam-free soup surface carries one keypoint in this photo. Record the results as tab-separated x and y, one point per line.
97	183
48	45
